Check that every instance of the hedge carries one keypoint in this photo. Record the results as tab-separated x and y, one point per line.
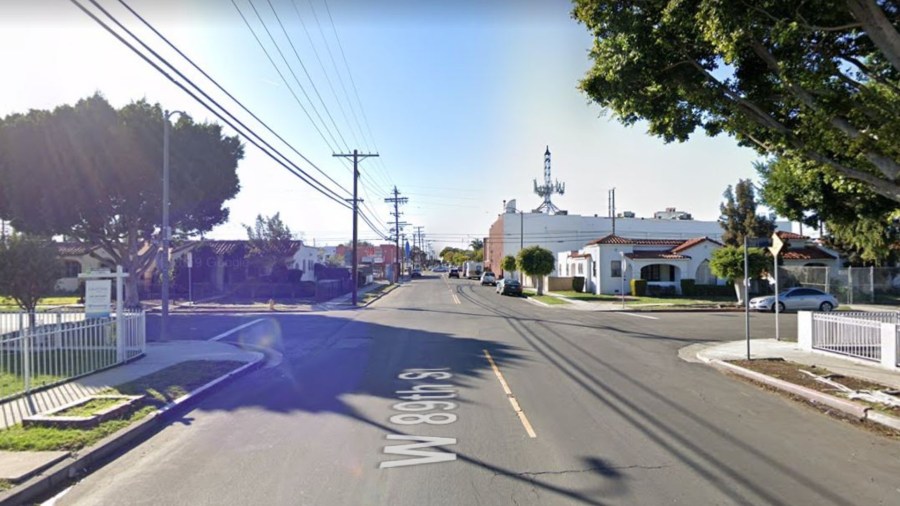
638	287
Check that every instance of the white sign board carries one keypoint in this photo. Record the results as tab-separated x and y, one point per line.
190	260
97	298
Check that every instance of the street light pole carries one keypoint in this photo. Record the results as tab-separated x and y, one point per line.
165	232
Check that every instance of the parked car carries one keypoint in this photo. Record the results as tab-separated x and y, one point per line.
439	268
454	273
794	299
488	278
509	287
416	273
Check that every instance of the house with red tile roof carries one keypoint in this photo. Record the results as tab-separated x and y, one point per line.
801	251
610	263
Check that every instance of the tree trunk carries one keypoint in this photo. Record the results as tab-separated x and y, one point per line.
740	290
878	28
540	285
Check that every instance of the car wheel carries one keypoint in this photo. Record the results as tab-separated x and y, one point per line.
826	306
781	307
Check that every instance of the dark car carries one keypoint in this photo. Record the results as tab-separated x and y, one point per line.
454	273
509	287
416	273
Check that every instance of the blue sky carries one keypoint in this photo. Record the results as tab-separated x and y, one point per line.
459	98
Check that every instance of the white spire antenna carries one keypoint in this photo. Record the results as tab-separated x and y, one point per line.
547	189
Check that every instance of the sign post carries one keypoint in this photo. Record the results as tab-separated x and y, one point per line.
97	301
775	249
190	265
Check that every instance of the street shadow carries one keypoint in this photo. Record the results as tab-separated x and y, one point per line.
329	359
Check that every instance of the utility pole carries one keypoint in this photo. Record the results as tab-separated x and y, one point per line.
397	200
612	209
356	156
165	232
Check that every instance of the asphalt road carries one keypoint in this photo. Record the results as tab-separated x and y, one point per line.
348	414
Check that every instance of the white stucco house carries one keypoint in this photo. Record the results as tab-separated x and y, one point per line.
801	251
610	263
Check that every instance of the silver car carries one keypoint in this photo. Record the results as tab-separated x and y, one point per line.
796	298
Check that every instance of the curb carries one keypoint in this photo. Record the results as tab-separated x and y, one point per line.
858	411
87	458
384	292
535	301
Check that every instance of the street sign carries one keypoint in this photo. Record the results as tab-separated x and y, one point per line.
97	298
777	245
190	260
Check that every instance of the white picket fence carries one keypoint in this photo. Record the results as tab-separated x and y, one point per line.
60	346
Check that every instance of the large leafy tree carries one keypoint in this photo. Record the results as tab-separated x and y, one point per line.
728	263
508	264
857	222
537	262
818	80
94	174
739	218
29	269
270	240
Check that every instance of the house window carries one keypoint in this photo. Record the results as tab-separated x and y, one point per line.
580	269
73	268
596	269
658	272
567	269
615	268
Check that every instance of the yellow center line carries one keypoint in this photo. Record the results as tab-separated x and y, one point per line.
450	289
510	396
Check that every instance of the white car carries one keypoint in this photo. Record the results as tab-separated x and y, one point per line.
488	278
794	299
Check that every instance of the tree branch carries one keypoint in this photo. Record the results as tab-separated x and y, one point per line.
878	28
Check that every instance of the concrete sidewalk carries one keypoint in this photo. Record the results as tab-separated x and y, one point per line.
770	348
158	356
344	301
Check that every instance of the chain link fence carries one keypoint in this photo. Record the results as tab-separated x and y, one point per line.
851	285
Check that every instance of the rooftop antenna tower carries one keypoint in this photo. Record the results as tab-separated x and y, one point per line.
547	189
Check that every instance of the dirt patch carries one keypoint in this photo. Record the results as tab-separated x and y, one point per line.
791	372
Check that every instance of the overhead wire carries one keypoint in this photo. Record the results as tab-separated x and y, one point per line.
228	94
249	134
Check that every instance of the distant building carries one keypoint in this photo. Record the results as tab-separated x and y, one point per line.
671	214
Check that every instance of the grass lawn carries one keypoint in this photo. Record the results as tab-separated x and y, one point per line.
377	292
161	387
89	408
635	301
546	299
62	363
48	301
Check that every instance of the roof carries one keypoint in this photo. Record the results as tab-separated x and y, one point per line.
690	243
228	247
807	253
662	255
73	249
576	254
615	239
790	235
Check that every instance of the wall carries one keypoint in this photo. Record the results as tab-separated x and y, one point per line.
558	284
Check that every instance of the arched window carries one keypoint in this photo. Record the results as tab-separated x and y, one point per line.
73	268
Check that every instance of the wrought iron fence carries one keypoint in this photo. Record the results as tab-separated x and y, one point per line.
853	334
50	348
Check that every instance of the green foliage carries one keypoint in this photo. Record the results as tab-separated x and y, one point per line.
739	218
728	262
858	223
808	79
270	242
29	269
688	287
713	291
638	287
509	263
476	244
93	173
578	284
536	261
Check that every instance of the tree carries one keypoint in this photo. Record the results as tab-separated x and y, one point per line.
93	172
857	222
814	80
476	244
270	242
537	262
728	263
739	218
29	269
508	264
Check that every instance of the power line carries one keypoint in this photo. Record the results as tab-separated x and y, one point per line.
297	171
227	93
283	78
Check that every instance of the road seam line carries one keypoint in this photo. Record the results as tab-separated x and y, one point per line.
510	396
225	334
640	316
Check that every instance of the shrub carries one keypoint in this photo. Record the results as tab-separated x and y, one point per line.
578	283
638	287
714	290
688	287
